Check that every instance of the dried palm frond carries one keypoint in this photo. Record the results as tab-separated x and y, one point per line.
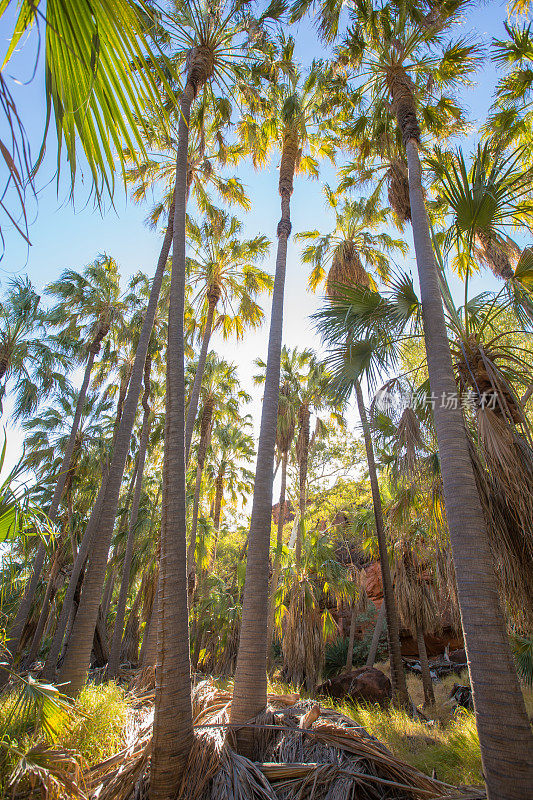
511	545
446	585
497	252
477	371
398	191
57	773
409	443
415	597
333	760
302	642
346	270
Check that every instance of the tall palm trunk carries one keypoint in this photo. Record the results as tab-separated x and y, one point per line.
504	731
49	595
399	686
205	436
76	662
249	695
173	730
302	447
276	568
219	496
427	683
192	410
374	644
108	590
114	654
15	632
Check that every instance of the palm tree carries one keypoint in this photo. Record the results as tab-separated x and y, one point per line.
289	122
220	396
88	304
222	270
211	42
208	153
391	53
114	653
484	202
232	445
29	357
343	250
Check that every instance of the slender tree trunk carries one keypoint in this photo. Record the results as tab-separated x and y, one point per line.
504	730
200	369
108	590
303	456
219	496
427	683
250	690
49	594
374	644
68	609
276	568
399	686
74	668
116	643
351	637
205	438
173	730
148	654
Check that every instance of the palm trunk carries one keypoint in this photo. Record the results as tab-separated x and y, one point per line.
49	594
351	638
108	590
173	730
504	731
427	683
250	690
205	438
200	369
149	644
399	686
374	644
303	458
114	655
276	569
219	496
76	662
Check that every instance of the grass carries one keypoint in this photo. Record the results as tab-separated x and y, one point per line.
103	717
96	728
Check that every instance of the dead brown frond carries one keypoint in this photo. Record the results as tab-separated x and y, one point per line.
398	190
346	270
511	543
415	596
302	642
499	253
333	759
55	773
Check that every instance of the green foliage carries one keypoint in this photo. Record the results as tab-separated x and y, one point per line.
100	727
337	651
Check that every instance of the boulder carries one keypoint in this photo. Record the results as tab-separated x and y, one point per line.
461	696
366	684
458	656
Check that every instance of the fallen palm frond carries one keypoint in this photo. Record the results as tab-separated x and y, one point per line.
331	760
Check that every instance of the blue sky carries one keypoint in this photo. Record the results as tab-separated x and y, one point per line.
63	235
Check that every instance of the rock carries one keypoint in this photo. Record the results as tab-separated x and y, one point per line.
458	656
461	696
366	684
